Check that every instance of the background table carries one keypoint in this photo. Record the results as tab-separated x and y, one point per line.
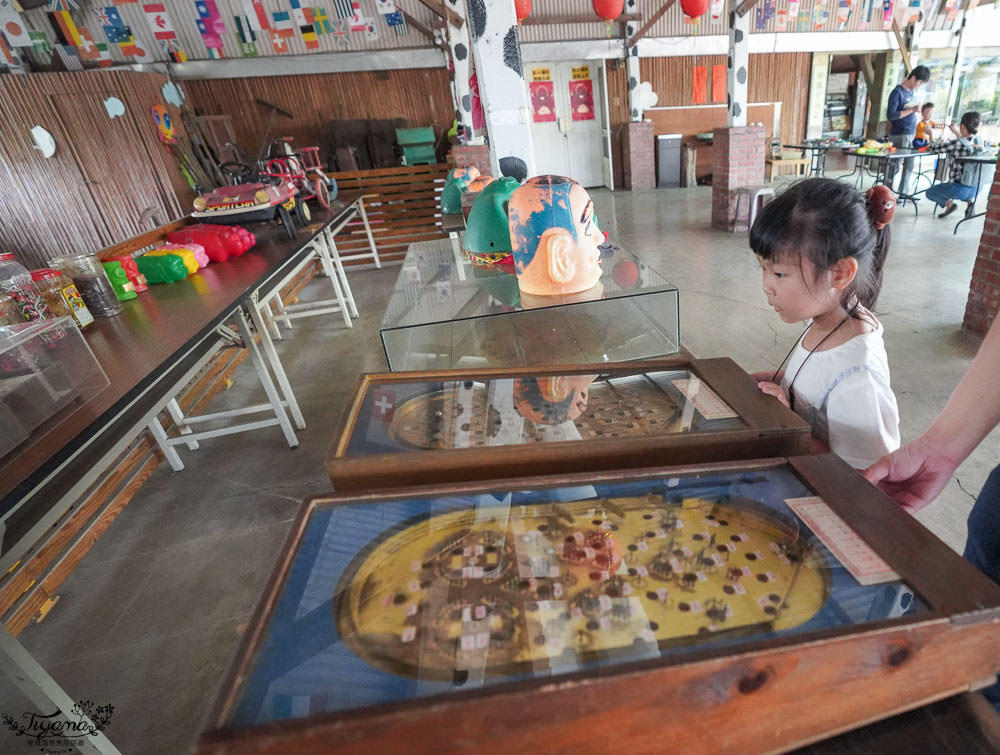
817	154
980	161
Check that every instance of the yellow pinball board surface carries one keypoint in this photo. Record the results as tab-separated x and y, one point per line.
507	589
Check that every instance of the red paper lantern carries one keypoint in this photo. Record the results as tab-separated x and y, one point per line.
609	10
694	8
522	9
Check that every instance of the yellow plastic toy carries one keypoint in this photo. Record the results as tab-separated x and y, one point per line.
185	254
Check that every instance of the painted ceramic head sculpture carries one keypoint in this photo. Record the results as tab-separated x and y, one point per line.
454	186
552	399
487	234
554	235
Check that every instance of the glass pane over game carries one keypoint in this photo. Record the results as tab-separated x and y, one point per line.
399	417
405	599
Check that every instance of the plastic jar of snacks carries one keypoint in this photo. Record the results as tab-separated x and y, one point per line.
92	282
61	295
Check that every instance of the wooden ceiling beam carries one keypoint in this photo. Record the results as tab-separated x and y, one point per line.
652	20
444	12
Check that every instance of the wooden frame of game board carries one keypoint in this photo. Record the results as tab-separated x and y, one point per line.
767	695
771	430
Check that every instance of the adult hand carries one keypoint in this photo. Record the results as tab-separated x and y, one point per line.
773	389
912	475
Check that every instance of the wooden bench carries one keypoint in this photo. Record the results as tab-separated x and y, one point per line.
799	165
403	206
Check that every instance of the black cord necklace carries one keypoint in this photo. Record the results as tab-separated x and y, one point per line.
791	393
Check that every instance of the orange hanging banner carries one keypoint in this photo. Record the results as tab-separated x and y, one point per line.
718	83
699	85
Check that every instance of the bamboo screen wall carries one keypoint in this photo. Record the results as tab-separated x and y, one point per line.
104	173
422	96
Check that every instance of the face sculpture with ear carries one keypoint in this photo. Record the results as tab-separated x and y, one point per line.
554	236
552	399
457	182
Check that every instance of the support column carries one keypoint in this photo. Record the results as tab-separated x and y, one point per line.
632	66
737	160
955	71
496	47
459	46
737	66
984	289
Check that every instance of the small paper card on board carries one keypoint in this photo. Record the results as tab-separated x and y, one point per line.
705	400
864	564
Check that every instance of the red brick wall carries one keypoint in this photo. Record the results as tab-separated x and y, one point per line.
638	167
467	154
737	160
984	290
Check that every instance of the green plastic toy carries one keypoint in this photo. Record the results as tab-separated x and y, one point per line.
124	288
165	268
487	231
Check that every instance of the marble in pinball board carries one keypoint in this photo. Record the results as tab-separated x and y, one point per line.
507	591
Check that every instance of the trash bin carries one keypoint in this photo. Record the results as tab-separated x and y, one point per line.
668	160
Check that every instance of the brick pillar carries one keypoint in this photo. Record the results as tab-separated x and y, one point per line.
984	290
737	160
638	165
471	154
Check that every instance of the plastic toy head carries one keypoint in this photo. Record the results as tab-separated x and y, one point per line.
163	123
554	235
454	186
552	399
487	229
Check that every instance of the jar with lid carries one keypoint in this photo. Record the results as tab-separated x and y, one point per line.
15	282
10	313
61	295
92	282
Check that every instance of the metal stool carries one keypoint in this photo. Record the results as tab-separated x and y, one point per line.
754	194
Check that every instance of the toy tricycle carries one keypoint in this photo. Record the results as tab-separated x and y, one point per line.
303	168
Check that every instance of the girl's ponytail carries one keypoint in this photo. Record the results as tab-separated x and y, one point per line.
881	206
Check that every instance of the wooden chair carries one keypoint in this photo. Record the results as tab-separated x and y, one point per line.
799	165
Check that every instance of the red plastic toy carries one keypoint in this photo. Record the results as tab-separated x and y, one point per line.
220	241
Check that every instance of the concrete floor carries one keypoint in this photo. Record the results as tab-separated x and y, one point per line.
152	617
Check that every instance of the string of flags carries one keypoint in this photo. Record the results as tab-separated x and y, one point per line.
259	30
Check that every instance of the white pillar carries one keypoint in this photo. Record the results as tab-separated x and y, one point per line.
496	46
737	66
956	70
460	47
632	66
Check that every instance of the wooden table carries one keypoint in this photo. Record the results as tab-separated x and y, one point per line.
148	352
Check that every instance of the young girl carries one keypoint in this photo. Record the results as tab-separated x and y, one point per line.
821	246
961	177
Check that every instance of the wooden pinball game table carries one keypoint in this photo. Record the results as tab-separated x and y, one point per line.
753	606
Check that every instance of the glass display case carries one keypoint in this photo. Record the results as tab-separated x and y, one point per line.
754	606
46	369
446	426
445	312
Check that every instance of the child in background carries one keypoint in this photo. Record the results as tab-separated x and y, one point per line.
961	178
821	246
925	128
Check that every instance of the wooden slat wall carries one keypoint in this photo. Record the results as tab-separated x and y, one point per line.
403	206
49	210
778	77
422	96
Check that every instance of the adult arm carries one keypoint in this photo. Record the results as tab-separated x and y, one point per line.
914	474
